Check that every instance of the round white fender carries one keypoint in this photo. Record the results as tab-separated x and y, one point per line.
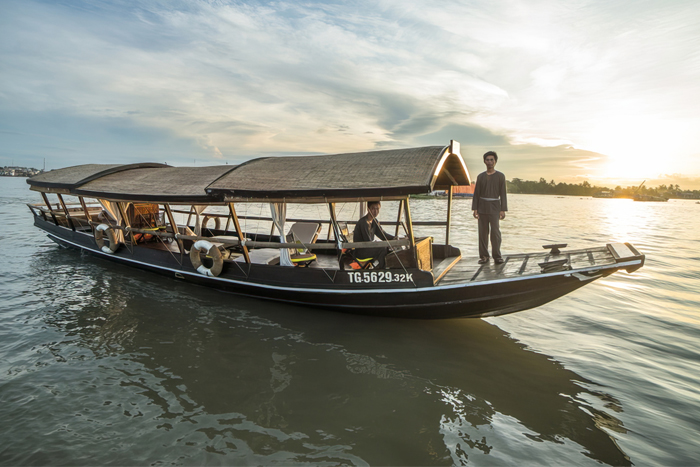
217	222
203	246
100	232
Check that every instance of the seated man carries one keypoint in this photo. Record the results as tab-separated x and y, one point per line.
365	230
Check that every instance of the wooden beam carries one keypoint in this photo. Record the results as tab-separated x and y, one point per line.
86	211
125	219
187	222
398	218
65	210
48	204
409	223
331	209
449	215
449	175
173	224
241	234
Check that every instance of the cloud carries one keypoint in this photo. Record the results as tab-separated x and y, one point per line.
469	135
687	183
70	140
208	80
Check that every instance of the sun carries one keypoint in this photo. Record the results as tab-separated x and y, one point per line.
637	146
626	165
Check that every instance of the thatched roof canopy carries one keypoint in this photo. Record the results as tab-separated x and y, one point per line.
389	174
165	184
67	179
377	174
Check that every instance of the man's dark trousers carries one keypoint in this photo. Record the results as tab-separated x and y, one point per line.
490	220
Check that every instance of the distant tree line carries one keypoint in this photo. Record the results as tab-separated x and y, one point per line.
543	187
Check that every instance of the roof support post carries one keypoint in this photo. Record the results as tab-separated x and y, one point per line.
65	210
125	220
409	223
241	234
398	218
449	215
48	205
331	226
189	217
85	210
409	230
173	224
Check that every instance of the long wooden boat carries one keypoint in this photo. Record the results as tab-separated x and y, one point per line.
182	222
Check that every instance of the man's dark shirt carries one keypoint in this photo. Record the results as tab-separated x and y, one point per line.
366	233
490	186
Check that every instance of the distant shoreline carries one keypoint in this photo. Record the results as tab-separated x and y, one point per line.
542	187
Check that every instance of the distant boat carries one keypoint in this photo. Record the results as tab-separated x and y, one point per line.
641	197
650	198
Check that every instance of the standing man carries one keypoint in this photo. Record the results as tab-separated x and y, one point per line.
490	205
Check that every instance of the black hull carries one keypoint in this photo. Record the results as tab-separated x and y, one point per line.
318	288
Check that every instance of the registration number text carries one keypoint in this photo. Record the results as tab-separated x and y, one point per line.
367	277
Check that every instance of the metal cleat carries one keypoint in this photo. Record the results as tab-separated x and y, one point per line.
555	248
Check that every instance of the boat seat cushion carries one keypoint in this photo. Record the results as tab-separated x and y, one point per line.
303	259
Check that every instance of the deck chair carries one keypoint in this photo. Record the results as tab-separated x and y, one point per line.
303	233
347	255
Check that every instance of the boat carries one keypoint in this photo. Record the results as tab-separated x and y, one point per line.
650	198
638	196
183	222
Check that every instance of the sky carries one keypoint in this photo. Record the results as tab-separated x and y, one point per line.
604	91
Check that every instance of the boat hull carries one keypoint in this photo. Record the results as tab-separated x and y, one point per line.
337	291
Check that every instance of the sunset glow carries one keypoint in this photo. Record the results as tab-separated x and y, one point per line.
593	90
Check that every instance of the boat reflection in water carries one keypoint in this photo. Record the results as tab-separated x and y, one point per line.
188	375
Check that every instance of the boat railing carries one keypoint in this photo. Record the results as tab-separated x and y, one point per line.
229	241
43	212
321	221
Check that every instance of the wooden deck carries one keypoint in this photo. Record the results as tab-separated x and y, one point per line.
468	269
452	270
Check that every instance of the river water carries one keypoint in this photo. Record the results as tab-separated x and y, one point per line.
104	365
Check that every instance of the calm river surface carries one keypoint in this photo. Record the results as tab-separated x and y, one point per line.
104	365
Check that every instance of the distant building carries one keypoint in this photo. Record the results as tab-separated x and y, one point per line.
604	194
464	191
19	172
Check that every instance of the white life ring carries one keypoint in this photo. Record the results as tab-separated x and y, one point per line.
203	246
217	222
100	232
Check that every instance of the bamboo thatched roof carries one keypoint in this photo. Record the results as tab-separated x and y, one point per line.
367	175
166	184
69	178
390	173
